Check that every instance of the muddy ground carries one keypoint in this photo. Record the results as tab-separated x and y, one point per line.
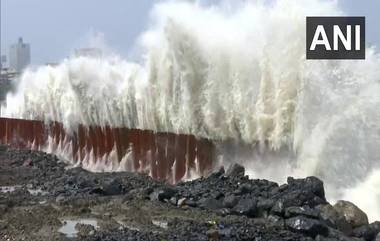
43	199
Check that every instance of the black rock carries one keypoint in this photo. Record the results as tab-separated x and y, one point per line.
244	189
216	174
377	237
332	218
334	234
278	208
247	207
301	211
353	214
275	221
217	195
190	203
210	203
310	184
367	232
235	170
162	194
230	201
264	205
308	226
112	187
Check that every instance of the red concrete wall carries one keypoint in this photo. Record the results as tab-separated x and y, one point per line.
167	156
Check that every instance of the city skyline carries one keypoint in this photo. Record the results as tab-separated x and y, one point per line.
117	25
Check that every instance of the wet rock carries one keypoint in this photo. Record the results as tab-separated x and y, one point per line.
217	173
235	170
265	203
85	183
278	208
339	238
191	203
353	215
112	187
275	221
308	226
247	207
377	237
244	189
309	184
332	218
210	203
367	232
301	211
217	195
162	194
230	201
338	235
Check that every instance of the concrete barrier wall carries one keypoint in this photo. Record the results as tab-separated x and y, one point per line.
166	156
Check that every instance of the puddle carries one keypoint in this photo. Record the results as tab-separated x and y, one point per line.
160	223
68	227
8	189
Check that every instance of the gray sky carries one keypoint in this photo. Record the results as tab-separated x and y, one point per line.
55	27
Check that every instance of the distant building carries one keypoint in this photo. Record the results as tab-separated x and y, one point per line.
19	56
88	52
3	61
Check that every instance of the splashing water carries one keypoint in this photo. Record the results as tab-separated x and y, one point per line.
238	76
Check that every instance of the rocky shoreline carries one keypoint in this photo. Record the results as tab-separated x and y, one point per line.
41	199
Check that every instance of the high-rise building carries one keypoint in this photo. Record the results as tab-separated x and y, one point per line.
19	56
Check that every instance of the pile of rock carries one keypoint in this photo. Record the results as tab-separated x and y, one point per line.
299	206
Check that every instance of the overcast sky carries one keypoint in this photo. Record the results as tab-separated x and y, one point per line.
55	27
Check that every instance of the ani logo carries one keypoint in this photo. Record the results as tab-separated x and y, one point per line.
335	37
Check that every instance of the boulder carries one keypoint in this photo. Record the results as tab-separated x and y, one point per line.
308	226
332	218
230	201
301	211
278	208
112	187
309	184
217	173
244	189
162	194
353	215
210	203
367	232
334	234
275	221
235	170
247	207
377	237
264	205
